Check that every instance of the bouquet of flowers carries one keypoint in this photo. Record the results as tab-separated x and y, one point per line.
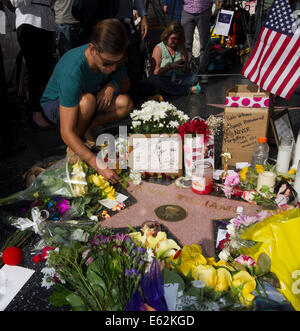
155	241
209	285
229	246
196	126
157	117
66	180
101	274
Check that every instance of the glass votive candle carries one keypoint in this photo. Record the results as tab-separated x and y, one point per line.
202	177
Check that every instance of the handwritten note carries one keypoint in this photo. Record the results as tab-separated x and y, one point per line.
245	125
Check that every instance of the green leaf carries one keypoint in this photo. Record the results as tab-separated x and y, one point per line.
96	281
264	263
172	277
76	302
58	298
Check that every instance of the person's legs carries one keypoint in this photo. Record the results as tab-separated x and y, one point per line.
188	23
87	106
164	85
37	48
120	108
203	25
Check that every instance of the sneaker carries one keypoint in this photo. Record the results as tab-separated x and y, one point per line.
203	80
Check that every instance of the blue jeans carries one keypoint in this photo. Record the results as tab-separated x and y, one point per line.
68	37
181	86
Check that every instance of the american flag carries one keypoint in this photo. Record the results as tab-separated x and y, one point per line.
274	64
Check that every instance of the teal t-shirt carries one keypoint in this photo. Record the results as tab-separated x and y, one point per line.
73	76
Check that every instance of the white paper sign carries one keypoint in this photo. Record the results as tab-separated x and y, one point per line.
224	22
110	204
2	22
158	154
16	277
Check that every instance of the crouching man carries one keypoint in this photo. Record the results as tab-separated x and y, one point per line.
87	89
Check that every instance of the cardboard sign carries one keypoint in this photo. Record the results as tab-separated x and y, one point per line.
244	124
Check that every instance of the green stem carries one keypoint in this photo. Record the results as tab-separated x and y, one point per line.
85	283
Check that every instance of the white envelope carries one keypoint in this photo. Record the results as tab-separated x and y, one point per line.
15	278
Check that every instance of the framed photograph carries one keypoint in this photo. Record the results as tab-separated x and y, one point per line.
156	153
281	125
285	193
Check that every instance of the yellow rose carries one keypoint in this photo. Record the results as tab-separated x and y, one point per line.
191	257
247	282
224	279
206	273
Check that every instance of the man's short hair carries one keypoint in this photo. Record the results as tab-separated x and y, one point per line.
110	36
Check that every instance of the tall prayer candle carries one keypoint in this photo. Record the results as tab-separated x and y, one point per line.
284	154
297	151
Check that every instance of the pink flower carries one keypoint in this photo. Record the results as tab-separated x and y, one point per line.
245	260
63	206
89	261
85	253
232	179
228	191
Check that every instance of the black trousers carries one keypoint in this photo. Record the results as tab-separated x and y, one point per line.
37	46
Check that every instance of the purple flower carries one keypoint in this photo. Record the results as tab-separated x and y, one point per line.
120	236
131	272
100	239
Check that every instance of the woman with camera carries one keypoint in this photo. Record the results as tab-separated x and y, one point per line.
170	69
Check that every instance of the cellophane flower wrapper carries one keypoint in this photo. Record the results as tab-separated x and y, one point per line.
153	288
57	180
136	303
278	237
66	233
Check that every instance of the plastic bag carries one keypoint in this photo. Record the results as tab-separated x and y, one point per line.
278	237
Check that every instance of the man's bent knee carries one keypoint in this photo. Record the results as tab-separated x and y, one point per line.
87	103
124	104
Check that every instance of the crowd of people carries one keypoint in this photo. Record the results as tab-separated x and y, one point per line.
100	66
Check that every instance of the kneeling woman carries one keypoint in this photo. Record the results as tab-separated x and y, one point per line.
170	68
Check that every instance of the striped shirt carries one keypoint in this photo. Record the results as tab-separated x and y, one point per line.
196	6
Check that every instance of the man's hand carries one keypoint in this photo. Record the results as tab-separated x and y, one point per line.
144	27
110	175
105	96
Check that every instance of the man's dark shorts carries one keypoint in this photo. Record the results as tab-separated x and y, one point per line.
51	111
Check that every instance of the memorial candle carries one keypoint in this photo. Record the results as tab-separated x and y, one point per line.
266	178
297	151
202	177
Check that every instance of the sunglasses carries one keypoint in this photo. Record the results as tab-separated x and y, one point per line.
106	63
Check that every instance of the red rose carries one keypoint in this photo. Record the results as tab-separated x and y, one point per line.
36	258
